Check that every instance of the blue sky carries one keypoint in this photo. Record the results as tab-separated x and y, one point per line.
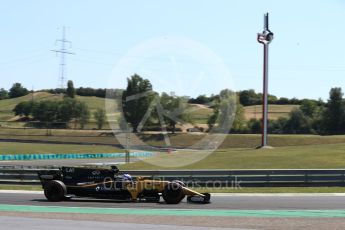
307	55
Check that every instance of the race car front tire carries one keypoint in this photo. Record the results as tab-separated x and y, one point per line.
173	193
179	182
55	190
199	199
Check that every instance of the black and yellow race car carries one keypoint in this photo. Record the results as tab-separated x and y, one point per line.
108	183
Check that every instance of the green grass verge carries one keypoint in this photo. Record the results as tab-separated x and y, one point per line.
21	187
177	140
243	140
26	148
290	157
236	152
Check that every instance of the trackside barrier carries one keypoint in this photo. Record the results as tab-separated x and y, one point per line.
57	156
212	178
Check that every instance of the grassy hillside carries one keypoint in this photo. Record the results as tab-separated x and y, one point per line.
274	111
6	106
93	102
199	113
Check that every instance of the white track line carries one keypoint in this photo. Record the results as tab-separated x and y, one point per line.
277	194
21	191
217	194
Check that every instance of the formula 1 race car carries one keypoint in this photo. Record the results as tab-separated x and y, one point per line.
108	183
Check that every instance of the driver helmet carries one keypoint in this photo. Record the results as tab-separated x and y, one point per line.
127	177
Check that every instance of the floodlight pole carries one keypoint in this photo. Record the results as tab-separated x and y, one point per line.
265	38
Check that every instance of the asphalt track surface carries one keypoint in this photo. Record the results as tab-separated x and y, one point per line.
30	210
238	202
47	224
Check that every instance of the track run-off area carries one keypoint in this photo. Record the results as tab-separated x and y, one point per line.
257	205
237	211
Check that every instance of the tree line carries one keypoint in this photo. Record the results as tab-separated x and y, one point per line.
88	91
166	111
246	97
18	90
153	110
250	97
57	114
310	118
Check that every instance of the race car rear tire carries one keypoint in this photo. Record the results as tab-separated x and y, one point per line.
173	193
55	190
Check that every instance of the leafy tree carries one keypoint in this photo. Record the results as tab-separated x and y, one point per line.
254	125
174	110
82	114
283	101
58	112
294	101
23	108
272	99
277	126
45	111
19	109
66	110
3	94
308	107
334	114
224	112
55	91
249	97
239	123
100	117
17	90
201	99
212	119
70	92
297	122
136	100
320	102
